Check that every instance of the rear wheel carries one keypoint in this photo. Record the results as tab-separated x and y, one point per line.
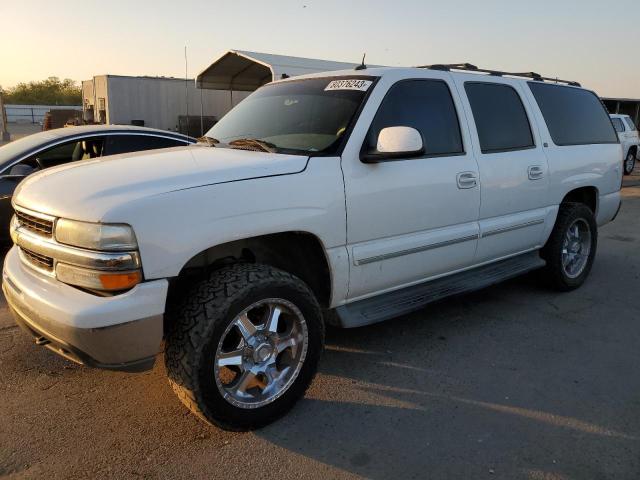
629	163
571	248
244	345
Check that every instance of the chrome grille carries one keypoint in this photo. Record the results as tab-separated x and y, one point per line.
37	225
39	261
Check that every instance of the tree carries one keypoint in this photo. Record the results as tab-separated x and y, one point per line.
51	91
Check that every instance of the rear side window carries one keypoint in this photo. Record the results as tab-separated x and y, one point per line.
425	105
617	124
632	126
136	143
500	117
574	116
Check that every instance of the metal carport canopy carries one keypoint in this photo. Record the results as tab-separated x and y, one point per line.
239	70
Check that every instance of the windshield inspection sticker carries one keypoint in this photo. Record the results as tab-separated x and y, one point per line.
349	84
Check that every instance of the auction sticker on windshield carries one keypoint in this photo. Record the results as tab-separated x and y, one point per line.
349	84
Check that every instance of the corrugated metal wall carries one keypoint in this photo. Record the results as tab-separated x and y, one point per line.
33	113
157	101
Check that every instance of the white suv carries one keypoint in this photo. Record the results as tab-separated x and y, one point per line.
348	197
629	139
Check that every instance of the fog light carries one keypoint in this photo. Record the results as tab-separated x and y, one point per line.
96	279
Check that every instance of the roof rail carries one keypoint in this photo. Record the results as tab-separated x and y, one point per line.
468	67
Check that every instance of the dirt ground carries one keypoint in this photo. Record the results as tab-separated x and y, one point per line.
514	382
19	130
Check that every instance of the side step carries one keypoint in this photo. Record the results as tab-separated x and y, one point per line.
410	299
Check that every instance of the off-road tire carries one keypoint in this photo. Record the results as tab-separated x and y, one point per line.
630	158
553	274
200	316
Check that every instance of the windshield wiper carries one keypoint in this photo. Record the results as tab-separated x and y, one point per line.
254	142
210	141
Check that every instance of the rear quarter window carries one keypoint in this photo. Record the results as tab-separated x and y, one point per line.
574	116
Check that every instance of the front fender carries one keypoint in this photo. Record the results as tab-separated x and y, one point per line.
174	227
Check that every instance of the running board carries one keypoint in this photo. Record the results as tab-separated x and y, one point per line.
410	299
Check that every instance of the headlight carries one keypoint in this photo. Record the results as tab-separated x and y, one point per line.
95	236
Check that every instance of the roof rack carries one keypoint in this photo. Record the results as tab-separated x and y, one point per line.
472	68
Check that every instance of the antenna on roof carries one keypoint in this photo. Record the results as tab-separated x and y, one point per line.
362	66
186	86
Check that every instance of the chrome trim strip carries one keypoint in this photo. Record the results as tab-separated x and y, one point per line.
76	256
409	251
511	228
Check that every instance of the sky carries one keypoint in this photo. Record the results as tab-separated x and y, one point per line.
596	42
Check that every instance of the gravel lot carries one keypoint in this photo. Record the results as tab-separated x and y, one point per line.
19	130
514	382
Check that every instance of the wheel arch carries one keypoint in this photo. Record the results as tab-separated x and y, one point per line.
587	195
299	253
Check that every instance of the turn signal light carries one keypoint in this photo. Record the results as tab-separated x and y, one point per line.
120	281
97	279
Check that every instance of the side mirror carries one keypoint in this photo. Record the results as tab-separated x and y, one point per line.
394	143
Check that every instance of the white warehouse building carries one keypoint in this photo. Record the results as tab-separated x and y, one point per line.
157	102
161	102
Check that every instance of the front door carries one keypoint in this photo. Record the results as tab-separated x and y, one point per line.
412	219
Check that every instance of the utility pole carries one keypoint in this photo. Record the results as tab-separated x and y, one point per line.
4	129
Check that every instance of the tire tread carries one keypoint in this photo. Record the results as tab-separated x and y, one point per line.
553	272
195	314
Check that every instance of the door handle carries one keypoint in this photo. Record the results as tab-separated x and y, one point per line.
535	172
466	180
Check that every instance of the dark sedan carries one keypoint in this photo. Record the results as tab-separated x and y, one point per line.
36	152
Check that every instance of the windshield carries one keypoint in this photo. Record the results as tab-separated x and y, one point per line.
307	116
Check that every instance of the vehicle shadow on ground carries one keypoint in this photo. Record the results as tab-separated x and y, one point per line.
449	392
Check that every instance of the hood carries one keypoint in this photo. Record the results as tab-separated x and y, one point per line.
86	190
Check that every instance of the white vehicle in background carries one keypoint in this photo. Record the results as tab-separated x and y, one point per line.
347	197
629	139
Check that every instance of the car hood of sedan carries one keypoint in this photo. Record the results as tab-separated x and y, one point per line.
86	190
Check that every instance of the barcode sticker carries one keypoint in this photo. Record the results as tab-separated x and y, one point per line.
349	84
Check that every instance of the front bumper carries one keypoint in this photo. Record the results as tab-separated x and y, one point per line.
122	332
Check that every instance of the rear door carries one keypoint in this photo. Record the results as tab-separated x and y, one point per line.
410	219
513	167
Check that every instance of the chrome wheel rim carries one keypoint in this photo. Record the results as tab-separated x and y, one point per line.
261	353
631	160
576	248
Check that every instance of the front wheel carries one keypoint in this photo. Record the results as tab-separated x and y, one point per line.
571	248
629	163
244	345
